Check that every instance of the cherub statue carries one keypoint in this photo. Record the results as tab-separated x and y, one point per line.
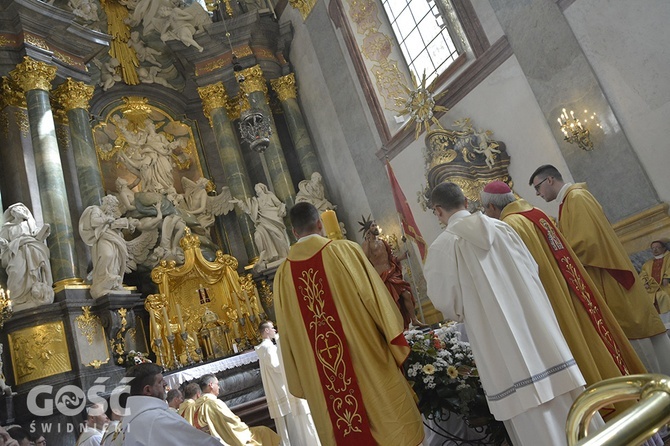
152	75
179	25
203	206
144	53
85	9
267	212
486	147
108	72
25	256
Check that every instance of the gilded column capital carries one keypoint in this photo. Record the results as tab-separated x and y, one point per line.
285	87
213	96
236	105
11	94
72	94
253	80
32	74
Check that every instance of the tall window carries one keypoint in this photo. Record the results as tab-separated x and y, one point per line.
423	35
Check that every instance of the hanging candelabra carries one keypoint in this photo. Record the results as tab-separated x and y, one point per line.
574	131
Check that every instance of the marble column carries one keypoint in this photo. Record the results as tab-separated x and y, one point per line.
287	93
35	78
73	97
215	101
255	88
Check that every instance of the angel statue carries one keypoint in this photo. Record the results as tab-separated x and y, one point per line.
486	147
25	256
267	212
312	191
108	72
203	206
100	228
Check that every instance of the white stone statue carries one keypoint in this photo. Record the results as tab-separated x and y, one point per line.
85	9
100	228
125	195
179	24
109	74
144	53
486	147
203	206
25	256
152	75
267	212
4	388
313	192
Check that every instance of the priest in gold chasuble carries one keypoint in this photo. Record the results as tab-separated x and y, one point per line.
342	341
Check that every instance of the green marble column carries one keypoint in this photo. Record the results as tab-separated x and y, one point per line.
73	97
255	87
287	94
215	100
35	78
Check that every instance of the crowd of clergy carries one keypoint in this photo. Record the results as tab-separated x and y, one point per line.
549	308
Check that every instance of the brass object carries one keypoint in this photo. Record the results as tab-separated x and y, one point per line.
285	87
88	324
72	94
634	425
574	131
254	81
38	352
303	6
5	308
33	75
213	96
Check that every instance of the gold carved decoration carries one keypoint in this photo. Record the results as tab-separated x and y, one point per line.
72	94
285	87
38	352
303	6
33	75
96	363
8	40
253	81
4	123
117	15
263	53
22	120
225	60
88	324
36	41
11	94
236	105
266	294
63	135
213	96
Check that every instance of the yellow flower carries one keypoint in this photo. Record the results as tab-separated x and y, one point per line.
428	369
452	372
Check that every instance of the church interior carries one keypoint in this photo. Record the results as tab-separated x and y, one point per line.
184	129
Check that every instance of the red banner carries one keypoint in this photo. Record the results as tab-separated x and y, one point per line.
407	219
329	345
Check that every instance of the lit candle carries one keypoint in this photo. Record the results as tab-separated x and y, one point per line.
559	121
180	319
572	114
246	301
166	319
330	225
154	325
236	301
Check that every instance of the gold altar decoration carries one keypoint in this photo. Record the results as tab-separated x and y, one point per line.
33	75
285	87
72	94
5	307
265	293
303	6
117	15
88	324
421	106
11	94
254	81
202	307
38	352
213	96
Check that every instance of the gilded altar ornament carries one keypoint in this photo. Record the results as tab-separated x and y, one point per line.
96	363
213	96
21	118
285	87
5	307
11	93
253	81
236	105
421	105
303	6
72	94
33	40
117	27
136	110
38	352
88	324
33	75
574	131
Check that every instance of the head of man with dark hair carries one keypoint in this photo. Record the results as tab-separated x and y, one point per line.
305	220
147	380
174	398
267	330
210	384
495	196
447	199
192	391
20	435
547	181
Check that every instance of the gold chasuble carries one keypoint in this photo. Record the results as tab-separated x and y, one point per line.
593	334
187	410
654	272
585	227
343	345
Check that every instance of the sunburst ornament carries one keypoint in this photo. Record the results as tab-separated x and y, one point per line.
420	105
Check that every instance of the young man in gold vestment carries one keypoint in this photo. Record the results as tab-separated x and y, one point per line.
342	341
583	223
595	338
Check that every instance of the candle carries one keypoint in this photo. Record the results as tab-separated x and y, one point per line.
181	320
248	304
236	301
235	329
330	225
154	325
166	319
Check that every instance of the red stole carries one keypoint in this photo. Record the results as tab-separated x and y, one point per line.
657	270
331	355
576	282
